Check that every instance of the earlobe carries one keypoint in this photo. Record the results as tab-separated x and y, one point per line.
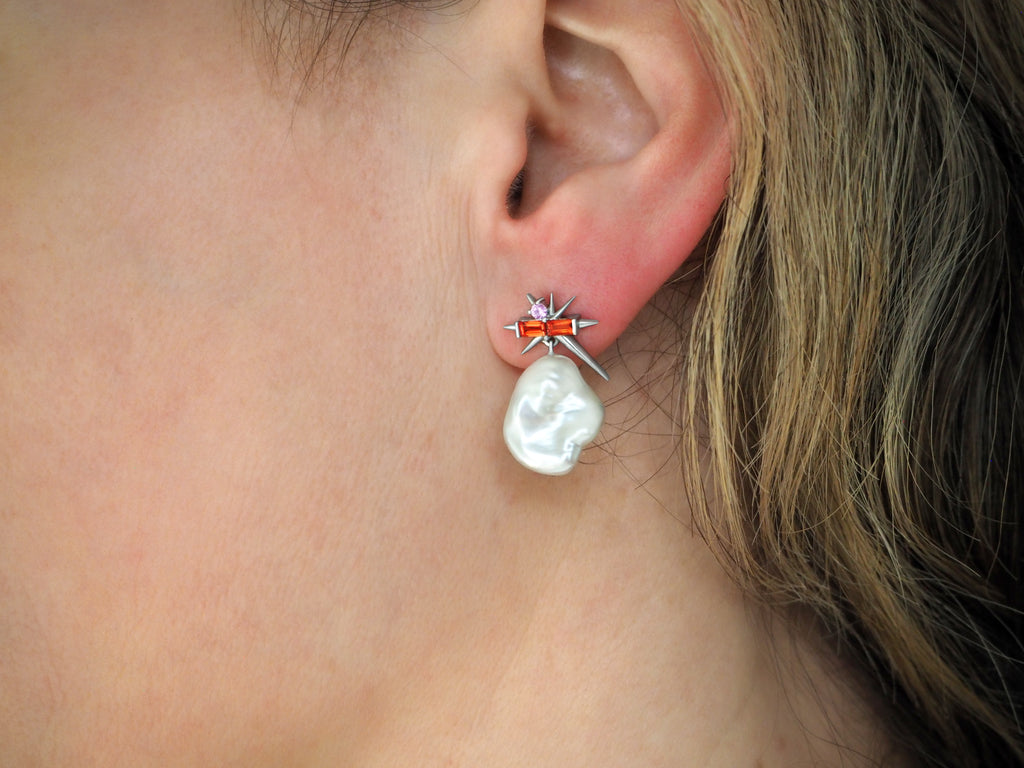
625	170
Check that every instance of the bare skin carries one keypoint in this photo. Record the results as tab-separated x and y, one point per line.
254	505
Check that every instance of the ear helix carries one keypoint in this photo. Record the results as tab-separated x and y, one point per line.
553	414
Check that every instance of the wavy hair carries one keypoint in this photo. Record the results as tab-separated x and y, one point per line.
856	357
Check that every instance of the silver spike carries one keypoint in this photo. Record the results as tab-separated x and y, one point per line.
582	354
558	314
536	340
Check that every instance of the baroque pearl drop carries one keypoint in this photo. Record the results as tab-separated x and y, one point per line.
552	415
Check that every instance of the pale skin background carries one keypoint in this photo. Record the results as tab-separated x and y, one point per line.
254	504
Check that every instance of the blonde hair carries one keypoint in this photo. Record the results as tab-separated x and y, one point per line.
856	357
854	362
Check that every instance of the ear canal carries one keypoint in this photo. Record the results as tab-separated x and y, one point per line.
603	119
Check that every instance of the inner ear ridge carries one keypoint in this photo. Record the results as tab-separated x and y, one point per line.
600	99
600	118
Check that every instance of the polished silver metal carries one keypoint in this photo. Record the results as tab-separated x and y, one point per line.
569	342
533	344
558	314
582	354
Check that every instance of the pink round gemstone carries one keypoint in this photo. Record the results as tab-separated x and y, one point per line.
539	311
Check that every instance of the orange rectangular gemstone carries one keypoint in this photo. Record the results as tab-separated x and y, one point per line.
532	328
560	327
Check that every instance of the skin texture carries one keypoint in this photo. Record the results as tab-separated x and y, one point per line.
254	504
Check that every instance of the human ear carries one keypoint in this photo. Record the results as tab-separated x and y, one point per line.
626	160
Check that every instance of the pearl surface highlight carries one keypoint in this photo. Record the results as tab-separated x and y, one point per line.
553	414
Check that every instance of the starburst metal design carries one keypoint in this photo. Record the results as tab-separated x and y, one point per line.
542	326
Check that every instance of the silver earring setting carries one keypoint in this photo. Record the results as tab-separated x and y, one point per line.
553	414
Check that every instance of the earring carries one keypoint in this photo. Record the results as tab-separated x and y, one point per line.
553	414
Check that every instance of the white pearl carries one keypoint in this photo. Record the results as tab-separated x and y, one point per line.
552	415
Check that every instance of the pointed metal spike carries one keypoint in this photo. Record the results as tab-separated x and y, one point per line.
582	354
583	323
536	340
529	298
511	327
558	314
